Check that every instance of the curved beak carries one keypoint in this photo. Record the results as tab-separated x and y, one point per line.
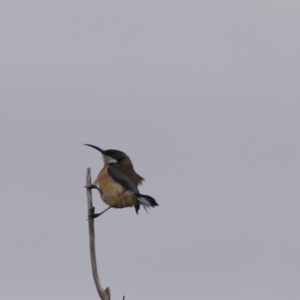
95	147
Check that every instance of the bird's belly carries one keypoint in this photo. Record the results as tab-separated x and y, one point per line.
119	200
113	194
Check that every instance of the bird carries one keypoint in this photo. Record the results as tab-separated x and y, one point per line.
118	182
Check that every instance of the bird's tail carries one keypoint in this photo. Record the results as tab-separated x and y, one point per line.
145	200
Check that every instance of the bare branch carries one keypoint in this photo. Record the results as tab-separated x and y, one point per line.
104	294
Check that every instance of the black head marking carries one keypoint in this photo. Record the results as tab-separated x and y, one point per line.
115	154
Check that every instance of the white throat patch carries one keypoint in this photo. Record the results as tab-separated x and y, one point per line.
108	159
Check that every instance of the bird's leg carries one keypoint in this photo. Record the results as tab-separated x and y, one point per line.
92	186
93	216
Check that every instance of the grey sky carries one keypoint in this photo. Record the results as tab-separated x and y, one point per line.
203	96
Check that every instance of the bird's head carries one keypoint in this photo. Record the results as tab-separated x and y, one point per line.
111	155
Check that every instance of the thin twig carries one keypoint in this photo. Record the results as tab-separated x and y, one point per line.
104	294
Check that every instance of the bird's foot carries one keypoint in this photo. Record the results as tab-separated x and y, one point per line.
93	216
91	187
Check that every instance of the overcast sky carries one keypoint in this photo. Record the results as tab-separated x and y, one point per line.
204	98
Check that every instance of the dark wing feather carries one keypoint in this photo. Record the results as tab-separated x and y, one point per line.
118	176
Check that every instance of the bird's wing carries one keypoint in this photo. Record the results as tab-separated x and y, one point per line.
118	176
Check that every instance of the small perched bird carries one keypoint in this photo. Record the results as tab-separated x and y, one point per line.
118	182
